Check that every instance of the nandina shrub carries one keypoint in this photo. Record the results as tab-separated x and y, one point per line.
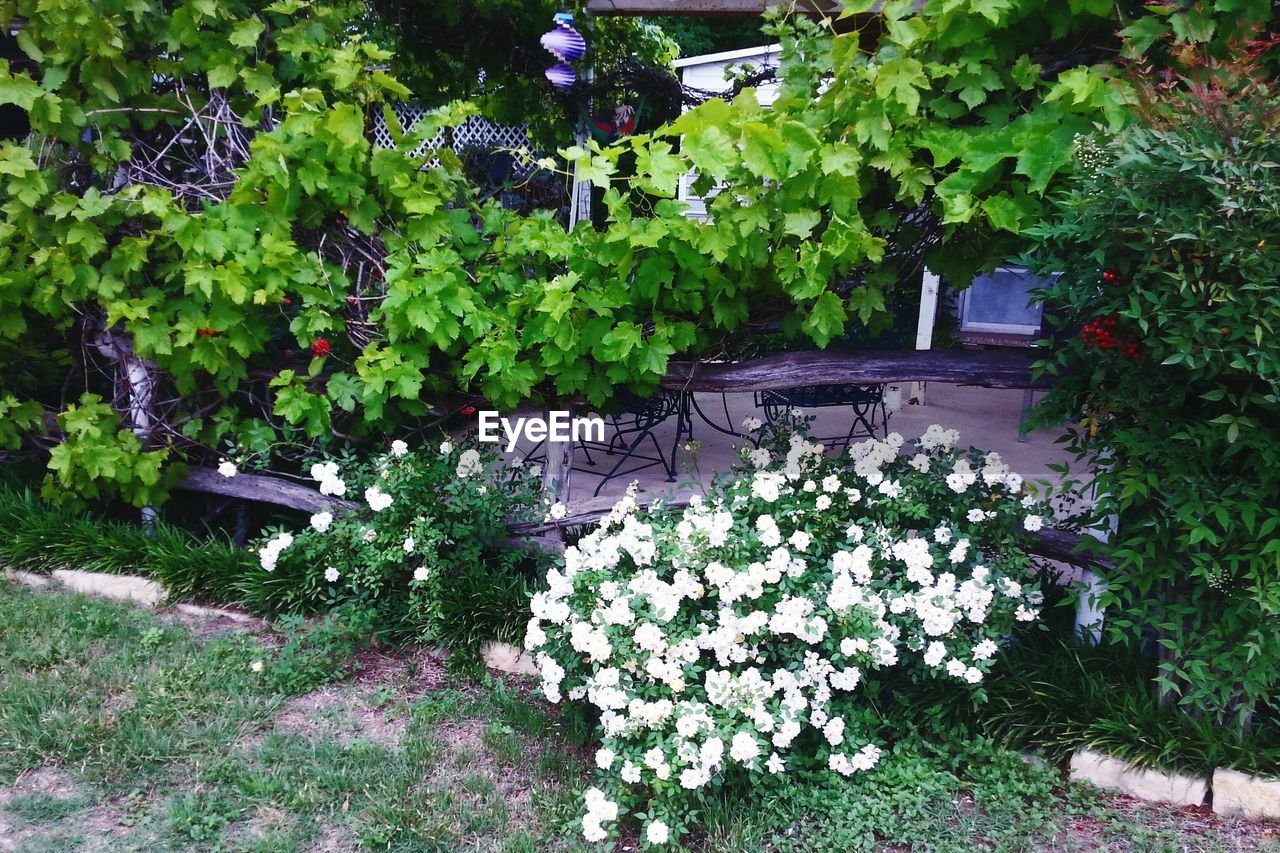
735	639
425	549
1167	260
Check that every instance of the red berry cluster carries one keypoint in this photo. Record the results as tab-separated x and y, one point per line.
1100	333
1112	277
320	347
206	333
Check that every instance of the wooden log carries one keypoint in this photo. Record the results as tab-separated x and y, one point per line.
261	488
988	368
1049	543
712	8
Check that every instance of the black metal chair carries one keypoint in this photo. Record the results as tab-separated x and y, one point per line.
628	430
631	426
865	402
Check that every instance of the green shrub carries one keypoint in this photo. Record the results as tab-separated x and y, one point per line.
40	537
1059	697
1166	318
432	561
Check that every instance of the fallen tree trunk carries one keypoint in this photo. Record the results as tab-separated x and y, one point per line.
1005	368
261	488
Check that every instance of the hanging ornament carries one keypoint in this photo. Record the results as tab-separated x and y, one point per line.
562	75
567	45
564	42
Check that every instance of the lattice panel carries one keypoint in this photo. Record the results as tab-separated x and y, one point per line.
476	132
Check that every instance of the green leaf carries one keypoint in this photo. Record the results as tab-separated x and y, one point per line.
711	151
902	78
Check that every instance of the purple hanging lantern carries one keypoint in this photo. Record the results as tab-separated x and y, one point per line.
564	42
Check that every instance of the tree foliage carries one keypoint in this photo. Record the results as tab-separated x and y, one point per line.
201	248
1168	355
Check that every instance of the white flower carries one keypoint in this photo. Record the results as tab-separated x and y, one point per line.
743	748
800	540
1032	523
324	471
985	650
468	464
369	534
446	447
775	764
377	499
256	666
605	757
558	511
331	574
227	469
656	832
321	521
866	758
399	448
833	731
408	545
750	424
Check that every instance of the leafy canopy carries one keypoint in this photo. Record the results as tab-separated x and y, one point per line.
200	204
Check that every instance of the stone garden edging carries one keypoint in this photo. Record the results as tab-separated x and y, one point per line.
1235	794
500	657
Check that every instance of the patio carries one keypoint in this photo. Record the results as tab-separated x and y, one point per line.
987	418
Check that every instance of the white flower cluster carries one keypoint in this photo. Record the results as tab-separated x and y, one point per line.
269	554
711	639
330	481
377	499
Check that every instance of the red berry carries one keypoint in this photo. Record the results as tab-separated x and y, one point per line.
351	300
287	301
320	347
468	410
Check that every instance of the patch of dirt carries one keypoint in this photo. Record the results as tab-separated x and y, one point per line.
1196	827
334	839
347	712
99	825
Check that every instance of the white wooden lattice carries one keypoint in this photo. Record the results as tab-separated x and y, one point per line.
476	132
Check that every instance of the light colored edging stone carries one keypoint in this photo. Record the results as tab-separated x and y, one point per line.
502	657
30	579
1145	784
120	587
1236	793
505	657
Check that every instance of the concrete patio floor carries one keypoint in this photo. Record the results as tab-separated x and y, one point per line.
986	418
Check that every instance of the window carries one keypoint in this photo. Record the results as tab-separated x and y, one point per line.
1000	301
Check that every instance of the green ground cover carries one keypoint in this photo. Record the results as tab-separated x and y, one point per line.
123	729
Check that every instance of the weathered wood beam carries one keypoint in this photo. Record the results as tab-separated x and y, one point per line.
709	8
1050	543
988	368
261	488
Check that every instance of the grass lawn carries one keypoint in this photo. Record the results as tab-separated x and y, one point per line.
122	729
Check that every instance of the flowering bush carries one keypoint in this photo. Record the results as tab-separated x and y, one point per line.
732	639
423	549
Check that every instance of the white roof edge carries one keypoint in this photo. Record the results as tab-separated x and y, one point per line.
728	55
